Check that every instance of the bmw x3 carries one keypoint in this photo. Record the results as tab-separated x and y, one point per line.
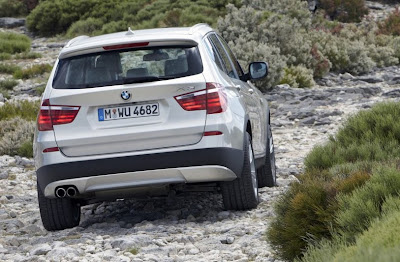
147	111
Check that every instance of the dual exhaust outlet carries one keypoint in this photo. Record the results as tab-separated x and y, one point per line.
62	192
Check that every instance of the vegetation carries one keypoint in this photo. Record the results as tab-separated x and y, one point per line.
4	56
15	135
345	10
24	109
391	25
28	55
33	71
343	198
8	68
96	17
8	84
12	43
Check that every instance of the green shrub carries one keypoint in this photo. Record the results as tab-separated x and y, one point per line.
379	243
345	10
12	43
358	209
13	8
27	55
15	134
4	56
8	68
305	213
33	71
26	148
8	84
89	26
371	135
23	109
298	76
40	89
95	17
391	25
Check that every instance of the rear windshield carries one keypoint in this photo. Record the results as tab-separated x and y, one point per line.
127	66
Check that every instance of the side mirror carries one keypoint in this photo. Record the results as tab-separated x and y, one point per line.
258	70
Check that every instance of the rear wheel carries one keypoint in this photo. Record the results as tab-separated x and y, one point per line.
242	193
267	173
58	213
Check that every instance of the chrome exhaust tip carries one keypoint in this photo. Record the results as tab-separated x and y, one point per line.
60	192
71	191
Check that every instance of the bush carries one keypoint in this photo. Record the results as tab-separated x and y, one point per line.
24	109
371	135
12	43
305	213
8	84
345	10
391	25
298	76
8	68
13	8
27	55
358	209
15	134
379	243
4	56
33	71
95	17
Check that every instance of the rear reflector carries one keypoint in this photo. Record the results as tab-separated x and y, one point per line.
51	149
124	46
50	115
213	99
212	133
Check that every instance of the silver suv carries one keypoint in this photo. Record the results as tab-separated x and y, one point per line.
146	112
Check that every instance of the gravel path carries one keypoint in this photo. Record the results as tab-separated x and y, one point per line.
190	227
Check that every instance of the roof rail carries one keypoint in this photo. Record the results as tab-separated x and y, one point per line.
197	26
76	39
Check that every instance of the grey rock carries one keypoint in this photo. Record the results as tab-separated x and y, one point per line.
41	249
4	174
23	161
308	121
56	45
223	215
375	6
12	214
32	230
59	252
228	240
393	94
10	22
369	79
1	98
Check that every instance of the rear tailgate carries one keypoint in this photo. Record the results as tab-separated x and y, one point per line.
150	119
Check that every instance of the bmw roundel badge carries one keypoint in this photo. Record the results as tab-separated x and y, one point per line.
125	95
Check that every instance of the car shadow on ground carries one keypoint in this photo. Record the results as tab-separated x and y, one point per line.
182	208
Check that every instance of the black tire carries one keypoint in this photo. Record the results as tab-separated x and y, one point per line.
242	193
58	213
266	175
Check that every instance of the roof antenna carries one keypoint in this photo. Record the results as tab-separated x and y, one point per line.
130	32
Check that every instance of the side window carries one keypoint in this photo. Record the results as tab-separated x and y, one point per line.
224	56
232	56
214	54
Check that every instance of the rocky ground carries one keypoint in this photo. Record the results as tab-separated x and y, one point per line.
190	227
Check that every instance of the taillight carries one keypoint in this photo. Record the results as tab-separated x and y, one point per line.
216	98
50	115
213	99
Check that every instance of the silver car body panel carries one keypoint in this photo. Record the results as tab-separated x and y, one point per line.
194	174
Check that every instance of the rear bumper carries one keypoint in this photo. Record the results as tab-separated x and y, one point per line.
189	166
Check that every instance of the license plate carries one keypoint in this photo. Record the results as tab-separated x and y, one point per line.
129	111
